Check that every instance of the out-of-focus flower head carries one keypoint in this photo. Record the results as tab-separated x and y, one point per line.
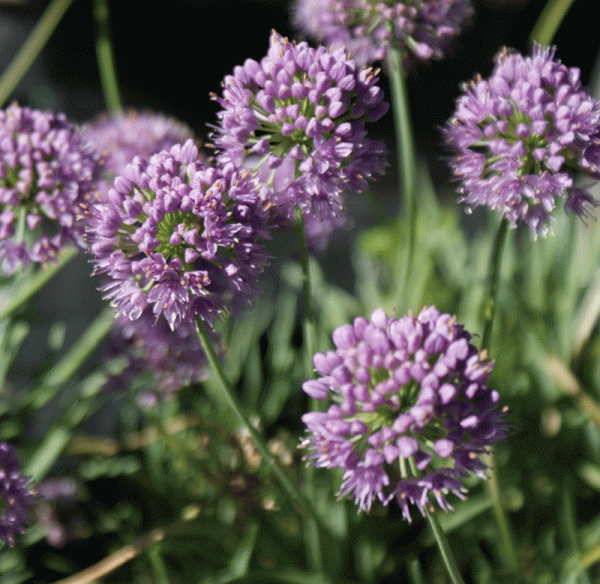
60	511
165	359
297	120
16	495
410	411
424	29
120	137
47	182
520	135
180	237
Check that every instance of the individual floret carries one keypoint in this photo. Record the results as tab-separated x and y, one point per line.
409	410
519	136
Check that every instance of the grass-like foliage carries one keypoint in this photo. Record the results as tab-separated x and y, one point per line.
270	346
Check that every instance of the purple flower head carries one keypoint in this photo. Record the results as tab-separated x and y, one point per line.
166	359
58	509
16	495
178	236
297	120
519	136
47	181
424	29
409	413
119	138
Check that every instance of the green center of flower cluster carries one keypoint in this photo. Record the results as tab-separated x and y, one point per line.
11	181
170	224
386	414
529	163
281	145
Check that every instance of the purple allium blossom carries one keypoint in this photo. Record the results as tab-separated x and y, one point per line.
58	509
407	393
47	182
519	136
166	359
297	120
120	137
16	495
424	29
178	236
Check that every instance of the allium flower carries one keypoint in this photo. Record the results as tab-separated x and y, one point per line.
16	495
171	359
297	119
47	175
58	508
424	29
519	136
178	236
119	138
403	393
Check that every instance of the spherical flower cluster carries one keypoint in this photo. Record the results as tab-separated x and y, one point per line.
519	136
171	359
179	236
297	119
47	179
58	509
410	409
16	496
424	29
120	137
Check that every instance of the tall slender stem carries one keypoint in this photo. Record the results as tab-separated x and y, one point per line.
312	536
105	58
444	547
438	532
309	326
491	301
493	487
549	20
405	148
284	480
32	47
492	483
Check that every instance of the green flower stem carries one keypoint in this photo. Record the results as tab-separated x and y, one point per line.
549	20
445	550
309	315
311	534
104	55
493	484
31	285
158	566
70	363
32	47
438	532
229	396
406	161
491	301
125	554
